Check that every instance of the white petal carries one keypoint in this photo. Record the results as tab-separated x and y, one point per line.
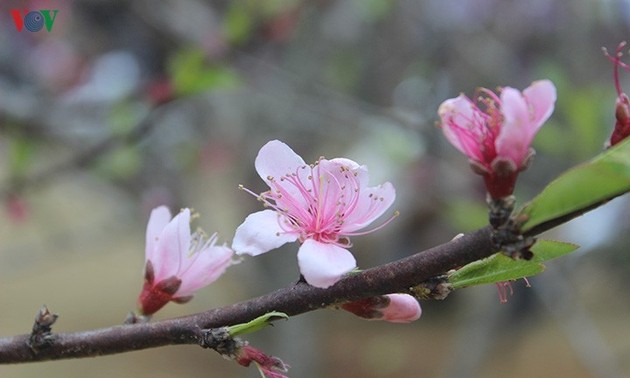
517	132
457	114
276	159
260	233
172	246
402	308
361	171
372	204
322	265
209	264
159	218
541	97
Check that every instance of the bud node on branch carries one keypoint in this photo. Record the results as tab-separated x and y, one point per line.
41	335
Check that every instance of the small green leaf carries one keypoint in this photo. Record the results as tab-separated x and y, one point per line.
498	267
256	324
600	179
545	250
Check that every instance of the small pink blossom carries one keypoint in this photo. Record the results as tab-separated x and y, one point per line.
178	263
269	366
496	132
319	205
395	308
622	104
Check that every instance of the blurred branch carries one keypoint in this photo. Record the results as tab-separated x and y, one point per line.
396	277
86	157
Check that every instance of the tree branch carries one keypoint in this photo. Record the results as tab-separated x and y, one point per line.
397	276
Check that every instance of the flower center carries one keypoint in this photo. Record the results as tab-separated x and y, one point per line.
315	200
479	132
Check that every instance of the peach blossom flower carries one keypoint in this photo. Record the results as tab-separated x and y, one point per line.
319	205
178	263
496	131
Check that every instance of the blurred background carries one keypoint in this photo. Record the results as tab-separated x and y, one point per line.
123	106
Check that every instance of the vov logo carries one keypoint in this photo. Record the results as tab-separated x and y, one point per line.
34	21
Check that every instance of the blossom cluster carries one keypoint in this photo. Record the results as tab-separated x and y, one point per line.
324	204
320	205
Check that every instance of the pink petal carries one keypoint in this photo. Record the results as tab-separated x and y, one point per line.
260	233
541	97
403	308
373	203
458	116
276	159
208	265
361	171
294	194
347	184
172	246
322	265
517	131
334	184
159	218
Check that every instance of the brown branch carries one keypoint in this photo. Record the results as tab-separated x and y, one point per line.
397	276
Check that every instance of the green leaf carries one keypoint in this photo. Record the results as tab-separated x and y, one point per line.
256	324
604	177
498	267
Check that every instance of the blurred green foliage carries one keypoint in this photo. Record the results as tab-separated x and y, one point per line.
21	155
191	73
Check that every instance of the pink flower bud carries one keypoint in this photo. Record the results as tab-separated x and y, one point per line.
395	308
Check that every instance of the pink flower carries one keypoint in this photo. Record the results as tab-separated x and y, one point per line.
496	132
178	263
269	366
622	104
320	205
395	308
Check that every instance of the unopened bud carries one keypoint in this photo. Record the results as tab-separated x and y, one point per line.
622	125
